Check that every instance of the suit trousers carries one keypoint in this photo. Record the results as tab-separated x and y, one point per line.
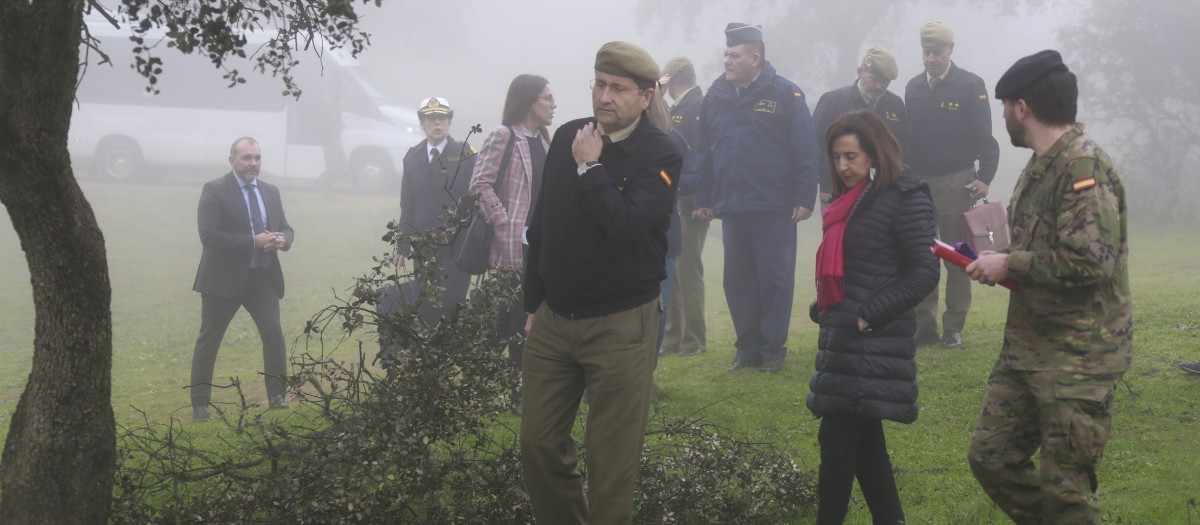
760	278
613	358
685	307
855	447
261	300
950	200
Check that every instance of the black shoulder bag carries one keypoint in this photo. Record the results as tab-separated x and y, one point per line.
472	248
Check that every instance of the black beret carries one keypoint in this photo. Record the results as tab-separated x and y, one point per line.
1027	71
737	33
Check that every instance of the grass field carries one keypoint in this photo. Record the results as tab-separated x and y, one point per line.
1150	468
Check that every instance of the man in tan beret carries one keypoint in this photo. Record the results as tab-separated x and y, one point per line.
868	92
950	128
686	331
597	257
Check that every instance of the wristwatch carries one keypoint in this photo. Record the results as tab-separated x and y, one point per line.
584	166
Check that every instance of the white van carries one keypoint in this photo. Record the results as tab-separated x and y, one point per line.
120	131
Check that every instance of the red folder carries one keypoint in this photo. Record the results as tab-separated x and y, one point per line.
948	253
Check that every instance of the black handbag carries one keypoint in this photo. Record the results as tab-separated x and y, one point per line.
472	247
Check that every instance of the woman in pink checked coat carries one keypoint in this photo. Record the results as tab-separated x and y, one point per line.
507	206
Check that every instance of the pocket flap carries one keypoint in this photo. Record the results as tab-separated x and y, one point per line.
1094	391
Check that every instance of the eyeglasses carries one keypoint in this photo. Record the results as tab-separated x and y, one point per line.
617	89
547	98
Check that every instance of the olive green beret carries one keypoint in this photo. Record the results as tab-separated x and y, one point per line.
675	65
627	60
881	63
936	34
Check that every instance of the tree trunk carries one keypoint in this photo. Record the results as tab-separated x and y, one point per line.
57	465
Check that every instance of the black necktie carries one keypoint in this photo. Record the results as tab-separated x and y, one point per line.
256	221
607	142
435	156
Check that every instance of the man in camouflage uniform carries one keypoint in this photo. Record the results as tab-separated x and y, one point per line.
1069	333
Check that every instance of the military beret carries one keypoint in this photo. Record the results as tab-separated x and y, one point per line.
435	106
676	64
737	33
881	63
627	60
936	34
1027	71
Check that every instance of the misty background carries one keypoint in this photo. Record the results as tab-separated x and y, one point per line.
469	51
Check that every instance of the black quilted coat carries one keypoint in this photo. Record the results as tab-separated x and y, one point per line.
889	270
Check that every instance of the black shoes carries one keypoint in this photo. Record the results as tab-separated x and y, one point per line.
200	414
952	340
738	364
691	352
278	403
772	365
925	337
663	352
1191	368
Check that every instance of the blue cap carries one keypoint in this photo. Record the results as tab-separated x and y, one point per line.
737	33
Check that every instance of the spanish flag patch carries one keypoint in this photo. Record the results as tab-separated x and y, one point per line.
1084	184
799	94
666	178
982	97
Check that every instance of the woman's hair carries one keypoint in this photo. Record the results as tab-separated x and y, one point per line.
875	140
660	115
523	93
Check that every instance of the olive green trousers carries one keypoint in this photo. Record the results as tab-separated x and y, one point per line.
613	358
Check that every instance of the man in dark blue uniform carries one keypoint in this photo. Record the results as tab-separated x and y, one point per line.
758	159
950	127
869	91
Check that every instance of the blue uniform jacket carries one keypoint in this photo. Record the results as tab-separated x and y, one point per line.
757	152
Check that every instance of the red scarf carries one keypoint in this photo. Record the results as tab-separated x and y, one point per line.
831	270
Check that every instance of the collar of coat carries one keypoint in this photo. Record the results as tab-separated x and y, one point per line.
724	88
631	143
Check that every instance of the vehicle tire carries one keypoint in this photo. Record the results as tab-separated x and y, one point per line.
119	161
371	171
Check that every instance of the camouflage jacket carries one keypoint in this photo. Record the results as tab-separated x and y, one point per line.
1069	251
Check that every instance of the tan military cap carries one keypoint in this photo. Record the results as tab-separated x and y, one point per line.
675	65
936	34
881	63
627	60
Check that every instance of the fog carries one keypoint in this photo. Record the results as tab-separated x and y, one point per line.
468	52
464	51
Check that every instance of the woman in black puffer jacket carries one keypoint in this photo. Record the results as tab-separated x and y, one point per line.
874	266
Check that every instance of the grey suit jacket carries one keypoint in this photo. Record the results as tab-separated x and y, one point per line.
224	223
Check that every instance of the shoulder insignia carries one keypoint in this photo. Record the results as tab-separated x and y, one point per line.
800	95
1084	184
982	97
666	178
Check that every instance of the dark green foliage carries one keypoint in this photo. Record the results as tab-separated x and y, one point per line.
418	437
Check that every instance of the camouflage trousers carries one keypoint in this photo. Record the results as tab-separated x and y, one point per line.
1068	417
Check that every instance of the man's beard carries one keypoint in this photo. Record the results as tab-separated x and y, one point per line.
1016	132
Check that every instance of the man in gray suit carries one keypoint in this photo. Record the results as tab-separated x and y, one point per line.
242	228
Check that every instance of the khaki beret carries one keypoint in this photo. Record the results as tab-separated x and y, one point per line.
627	60
936	34
675	65
881	63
